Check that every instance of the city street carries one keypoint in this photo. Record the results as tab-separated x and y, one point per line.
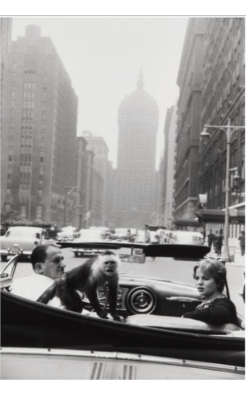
166	268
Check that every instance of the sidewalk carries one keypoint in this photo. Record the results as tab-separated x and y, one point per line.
236	258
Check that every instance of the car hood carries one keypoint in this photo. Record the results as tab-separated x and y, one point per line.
18	240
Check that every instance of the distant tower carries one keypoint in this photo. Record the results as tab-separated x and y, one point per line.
98	146
136	177
39	122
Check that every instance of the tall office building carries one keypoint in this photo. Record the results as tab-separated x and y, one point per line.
170	150
6	31
135	200
98	146
223	98
190	78
39	119
5	34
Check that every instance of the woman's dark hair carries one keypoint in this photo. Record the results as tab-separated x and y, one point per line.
214	269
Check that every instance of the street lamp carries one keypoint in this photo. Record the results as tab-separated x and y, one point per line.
229	130
236	188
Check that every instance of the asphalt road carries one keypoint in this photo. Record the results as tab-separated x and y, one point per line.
166	268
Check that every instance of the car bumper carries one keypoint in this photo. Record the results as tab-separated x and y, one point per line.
15	251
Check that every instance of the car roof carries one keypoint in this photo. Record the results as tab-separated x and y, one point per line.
187	251
34	228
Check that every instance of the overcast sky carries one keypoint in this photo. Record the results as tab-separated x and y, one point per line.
103	57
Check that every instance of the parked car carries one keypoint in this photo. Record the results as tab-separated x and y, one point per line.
149	344
21	240
67	234
120	234
180	237
141	237
93	234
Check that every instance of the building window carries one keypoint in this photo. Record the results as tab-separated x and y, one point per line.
23	210
39	212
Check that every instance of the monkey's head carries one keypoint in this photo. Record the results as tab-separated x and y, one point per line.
109	263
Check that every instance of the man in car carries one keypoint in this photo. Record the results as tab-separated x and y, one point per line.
47	263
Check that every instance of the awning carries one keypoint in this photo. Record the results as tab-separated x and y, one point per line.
212	216
187	222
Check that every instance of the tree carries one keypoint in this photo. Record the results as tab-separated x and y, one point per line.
10	216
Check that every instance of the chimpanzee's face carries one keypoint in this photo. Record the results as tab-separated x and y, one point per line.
109	266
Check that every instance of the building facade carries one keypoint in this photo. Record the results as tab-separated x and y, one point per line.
223	99
170	130
39	121
6	31
110	195
135	198
190	78
98	146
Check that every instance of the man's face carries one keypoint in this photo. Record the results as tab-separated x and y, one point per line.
53	266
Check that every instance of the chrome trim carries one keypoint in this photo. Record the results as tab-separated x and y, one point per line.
124	356
97	371
129	372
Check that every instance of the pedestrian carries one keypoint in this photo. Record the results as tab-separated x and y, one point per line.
215	241
129	236
147	238
242	242
210	239
219	243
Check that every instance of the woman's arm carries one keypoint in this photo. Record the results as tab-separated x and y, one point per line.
222	311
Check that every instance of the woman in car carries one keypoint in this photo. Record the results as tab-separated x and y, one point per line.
215	308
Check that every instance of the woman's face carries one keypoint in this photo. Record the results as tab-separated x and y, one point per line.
205	284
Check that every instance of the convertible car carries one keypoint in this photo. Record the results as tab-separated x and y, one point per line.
153	341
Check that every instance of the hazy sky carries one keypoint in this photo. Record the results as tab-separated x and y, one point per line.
103	56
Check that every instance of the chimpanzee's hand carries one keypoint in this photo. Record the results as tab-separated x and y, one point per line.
102	314
117	317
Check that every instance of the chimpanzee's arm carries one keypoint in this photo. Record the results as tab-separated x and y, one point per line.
69	298
113	295
91	293
48	294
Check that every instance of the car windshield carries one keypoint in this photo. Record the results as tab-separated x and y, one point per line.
22	232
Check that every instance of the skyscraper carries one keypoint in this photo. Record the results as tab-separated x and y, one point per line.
170	130
135	197
39	120
100	149
190	78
